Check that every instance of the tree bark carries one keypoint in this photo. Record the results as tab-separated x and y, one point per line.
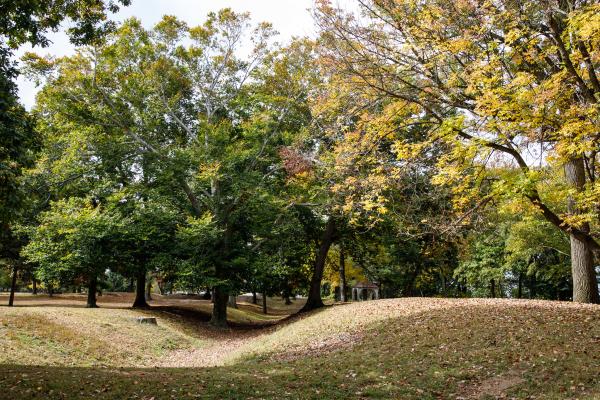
520	287
140	290
232	302
207	295
264	303
342	275
493	288
254	299
13	286
585	286
314	294
148	293
219	313
91	296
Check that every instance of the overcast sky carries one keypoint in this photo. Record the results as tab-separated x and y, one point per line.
289	17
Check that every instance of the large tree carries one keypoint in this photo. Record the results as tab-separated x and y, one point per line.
187	116
75	240
495	82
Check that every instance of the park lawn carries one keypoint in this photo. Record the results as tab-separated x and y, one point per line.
401	348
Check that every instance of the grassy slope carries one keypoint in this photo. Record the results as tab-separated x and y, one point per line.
403	348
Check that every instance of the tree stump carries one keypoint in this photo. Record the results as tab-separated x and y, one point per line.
146	320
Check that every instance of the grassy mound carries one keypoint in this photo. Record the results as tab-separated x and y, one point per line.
402	348
83	337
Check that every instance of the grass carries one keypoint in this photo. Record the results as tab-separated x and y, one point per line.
401	348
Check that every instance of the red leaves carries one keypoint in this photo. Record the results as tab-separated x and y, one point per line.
294	162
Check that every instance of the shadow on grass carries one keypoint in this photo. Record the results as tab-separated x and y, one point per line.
188	311
463	351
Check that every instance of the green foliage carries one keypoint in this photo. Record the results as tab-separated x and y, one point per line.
71	239
484	266
527	252
28	21
17	149
210	166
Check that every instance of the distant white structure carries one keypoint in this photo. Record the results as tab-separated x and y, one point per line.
365	291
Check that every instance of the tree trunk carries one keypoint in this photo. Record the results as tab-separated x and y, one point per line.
148	293
520	287
287	299
140	290
409	288
585	286
219	313
13	286
254	299
207	295
92	288
342	275
264	303
493	288
232	302
314	294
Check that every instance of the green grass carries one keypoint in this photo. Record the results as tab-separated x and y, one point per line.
404	348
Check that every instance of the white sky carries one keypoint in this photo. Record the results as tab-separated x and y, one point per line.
289	17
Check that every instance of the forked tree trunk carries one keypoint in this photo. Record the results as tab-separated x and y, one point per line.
13	286
585	286
219	313
91	296
342	275
314	294
140	290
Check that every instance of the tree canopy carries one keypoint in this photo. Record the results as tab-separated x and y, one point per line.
429	147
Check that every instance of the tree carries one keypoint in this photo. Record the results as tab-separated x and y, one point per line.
146	240
484	266
71	239
28	21
178	105
491	80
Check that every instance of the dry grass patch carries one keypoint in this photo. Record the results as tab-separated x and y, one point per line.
402	349
82	337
